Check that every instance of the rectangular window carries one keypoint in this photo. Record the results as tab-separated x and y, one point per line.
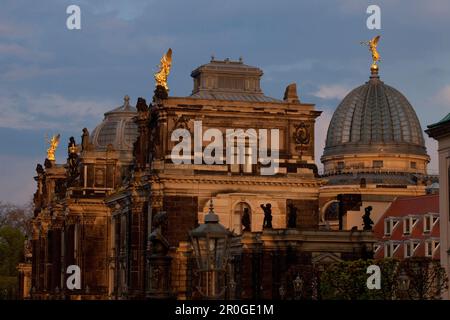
427	224
407	226
387	227
408	249
413	165
428	248
387	251
378	163
435	219
340	165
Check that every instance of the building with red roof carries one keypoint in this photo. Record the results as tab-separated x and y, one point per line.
409	228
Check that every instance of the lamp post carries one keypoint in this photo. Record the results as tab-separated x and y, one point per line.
232	287
403	285
315	285
298	287
210	242
282	292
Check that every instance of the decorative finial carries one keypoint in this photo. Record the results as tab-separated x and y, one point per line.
374	71
164	70
372	44
213	57
211	216
241	60
53	142
126	101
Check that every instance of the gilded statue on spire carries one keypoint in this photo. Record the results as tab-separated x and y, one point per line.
372	44
54	141
164	70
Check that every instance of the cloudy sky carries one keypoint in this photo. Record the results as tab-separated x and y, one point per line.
57	80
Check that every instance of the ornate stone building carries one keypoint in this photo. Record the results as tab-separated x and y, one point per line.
374	152
122	210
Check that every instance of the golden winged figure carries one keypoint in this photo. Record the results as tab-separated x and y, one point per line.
164	70
372	44
54	141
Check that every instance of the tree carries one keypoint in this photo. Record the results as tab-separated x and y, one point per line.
11	250
427	278
11	253
346	280
16	216
14	225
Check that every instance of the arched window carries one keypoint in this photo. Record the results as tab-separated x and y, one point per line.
331	216
242	217
332	212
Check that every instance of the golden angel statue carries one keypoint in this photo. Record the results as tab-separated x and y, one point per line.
54	141
372	44
164	70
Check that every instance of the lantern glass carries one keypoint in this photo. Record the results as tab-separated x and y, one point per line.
298	284
210	242
210	251
404	282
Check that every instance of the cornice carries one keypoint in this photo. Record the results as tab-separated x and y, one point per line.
235	180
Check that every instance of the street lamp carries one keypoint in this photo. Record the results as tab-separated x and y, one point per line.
282	292
403	284
232	286
298	287
210	242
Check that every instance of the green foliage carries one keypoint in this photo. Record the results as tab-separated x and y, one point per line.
11	253
14	224
16	217
427	278
347	280
11	250
8	287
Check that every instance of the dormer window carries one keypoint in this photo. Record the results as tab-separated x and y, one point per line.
389	225
408	251
387	251
410	247
429	220
430	247
390	248
427	224
376	247
408	225
434	219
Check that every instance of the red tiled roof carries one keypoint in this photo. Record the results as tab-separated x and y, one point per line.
403	206
409	206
